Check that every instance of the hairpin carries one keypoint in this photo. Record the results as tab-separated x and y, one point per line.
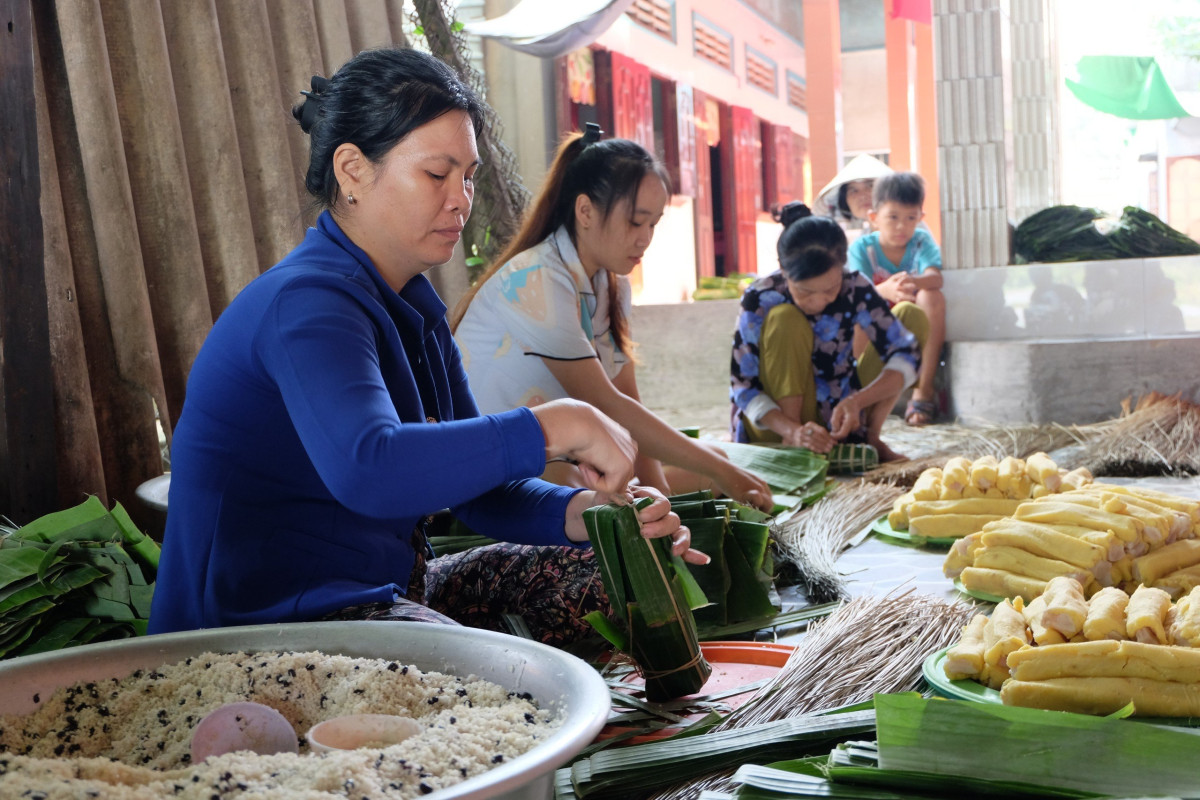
312	102
591	134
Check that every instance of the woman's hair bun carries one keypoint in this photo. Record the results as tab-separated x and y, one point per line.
307	111
791	212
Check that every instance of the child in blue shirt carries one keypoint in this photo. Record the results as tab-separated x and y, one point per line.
904	263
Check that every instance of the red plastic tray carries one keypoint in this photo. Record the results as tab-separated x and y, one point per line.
734	664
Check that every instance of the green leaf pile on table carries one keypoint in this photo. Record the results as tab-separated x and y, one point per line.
76	576
924	748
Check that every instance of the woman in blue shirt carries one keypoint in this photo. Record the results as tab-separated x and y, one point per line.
328	413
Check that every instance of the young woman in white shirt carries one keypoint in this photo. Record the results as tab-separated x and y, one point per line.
550	318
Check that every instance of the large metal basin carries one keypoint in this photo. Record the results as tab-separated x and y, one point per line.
558	681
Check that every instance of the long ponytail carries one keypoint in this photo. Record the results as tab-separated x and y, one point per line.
541	221
608	172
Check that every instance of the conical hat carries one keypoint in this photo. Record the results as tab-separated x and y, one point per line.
863	167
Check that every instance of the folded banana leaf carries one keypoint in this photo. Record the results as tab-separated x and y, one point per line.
739	579
788	470
652	595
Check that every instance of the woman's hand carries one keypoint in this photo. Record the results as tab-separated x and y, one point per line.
811	435
846	417
578	432
898	288
744	487
659	520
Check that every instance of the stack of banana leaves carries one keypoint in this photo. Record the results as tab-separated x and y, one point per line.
927	748
652	595
737	582
80	575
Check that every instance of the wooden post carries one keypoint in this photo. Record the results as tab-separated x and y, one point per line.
29	482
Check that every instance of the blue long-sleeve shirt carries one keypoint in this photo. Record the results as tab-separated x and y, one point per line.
325	415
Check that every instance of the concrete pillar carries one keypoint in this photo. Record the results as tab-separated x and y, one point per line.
823	74
1037	168
521	89
975	145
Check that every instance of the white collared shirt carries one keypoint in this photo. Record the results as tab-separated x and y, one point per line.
540	305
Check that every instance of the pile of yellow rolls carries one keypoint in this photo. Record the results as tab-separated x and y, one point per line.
1101	535
959	498
1093	656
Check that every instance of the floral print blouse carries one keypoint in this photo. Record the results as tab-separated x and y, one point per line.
834	366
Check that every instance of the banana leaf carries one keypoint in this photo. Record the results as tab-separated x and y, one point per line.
788	470
74	576
785	620
626	772
708	536
694	509
59	635
1049	749
747	598
651	593
17	564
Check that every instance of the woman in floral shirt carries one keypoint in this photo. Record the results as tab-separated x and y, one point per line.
794	378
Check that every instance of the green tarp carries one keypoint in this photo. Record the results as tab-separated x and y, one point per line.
1132	87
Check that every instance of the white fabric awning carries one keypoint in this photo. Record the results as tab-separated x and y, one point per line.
550	28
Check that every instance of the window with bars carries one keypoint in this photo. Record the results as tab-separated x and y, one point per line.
797	91
655	15
761	71
712	43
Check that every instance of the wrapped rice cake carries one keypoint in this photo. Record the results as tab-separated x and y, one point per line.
1066	610
1184	629
1106	615
1146	615
1005	633
1099	696
965	659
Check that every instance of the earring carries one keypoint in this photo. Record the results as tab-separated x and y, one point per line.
351	200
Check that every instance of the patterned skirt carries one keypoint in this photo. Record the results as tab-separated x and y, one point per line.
551	588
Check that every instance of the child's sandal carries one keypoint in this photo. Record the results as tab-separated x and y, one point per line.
920	412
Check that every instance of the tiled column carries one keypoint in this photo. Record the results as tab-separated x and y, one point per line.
973	96
1035	123
823	73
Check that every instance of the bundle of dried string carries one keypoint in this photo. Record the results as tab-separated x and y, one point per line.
1160	435
812	539
869	646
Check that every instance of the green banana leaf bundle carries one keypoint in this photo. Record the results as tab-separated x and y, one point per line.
1071	233
652	596
738	580
852	459
75	576
931	747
